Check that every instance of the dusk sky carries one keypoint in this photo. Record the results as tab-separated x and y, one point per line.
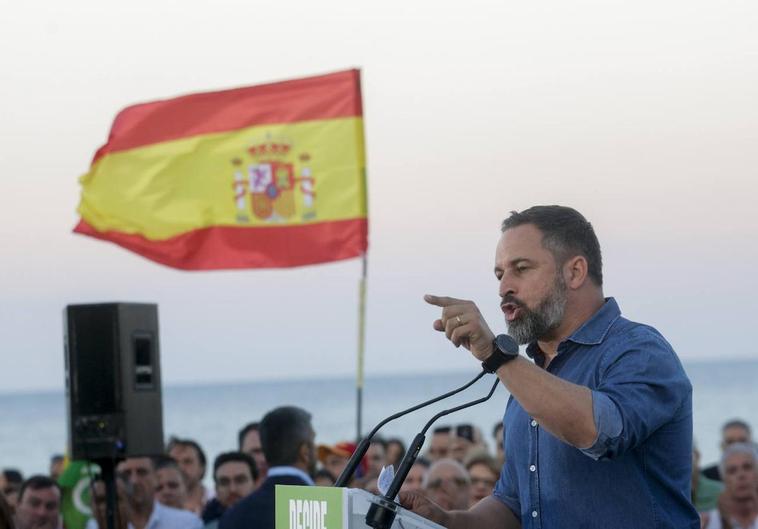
641	115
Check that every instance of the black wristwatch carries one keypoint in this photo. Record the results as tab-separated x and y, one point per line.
504	349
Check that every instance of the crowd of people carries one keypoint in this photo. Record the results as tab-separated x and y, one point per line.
166	491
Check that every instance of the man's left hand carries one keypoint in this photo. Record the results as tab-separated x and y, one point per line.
463	324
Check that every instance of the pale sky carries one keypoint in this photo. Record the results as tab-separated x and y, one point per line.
642	115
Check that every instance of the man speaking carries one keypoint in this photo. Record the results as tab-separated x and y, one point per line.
599	425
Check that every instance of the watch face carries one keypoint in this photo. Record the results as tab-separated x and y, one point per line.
506	344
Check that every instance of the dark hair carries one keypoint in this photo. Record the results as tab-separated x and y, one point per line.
13	476
283	431
424	462
379	440
481	457
241	457
164	461
400	443
37	482
565	232
498	426
324	473
191	443
441	429
736	423
6	519
249	427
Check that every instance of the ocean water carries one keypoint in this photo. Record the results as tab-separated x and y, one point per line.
33	425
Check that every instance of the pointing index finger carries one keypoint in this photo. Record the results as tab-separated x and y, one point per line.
440	301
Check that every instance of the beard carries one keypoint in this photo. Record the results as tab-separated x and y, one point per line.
539	323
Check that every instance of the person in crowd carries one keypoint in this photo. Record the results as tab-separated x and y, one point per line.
334	458
601	391
145	512
171	489
705	491
234	475
57	462
6	517
439	444
733	431
465	438
39	504
249	441
497	437
369	483
483	472
395	451
448	485
323	478
738	504
192	462
376	456
10	484
414	481
99	502
287	439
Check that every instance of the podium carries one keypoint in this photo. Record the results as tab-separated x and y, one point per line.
334	508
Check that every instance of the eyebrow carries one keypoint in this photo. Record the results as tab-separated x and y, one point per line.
513	262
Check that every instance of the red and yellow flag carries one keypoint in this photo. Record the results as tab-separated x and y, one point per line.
257	177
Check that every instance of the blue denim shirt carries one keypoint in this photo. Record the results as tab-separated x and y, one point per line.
637	473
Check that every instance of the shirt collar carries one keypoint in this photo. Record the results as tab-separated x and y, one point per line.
591	332
289	471
594	330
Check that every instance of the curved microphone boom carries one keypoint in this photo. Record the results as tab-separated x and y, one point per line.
382	512
362	448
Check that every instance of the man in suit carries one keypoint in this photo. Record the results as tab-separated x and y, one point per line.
287	441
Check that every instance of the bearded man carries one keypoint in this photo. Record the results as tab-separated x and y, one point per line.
599	425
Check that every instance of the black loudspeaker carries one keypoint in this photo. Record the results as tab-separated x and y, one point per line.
113	380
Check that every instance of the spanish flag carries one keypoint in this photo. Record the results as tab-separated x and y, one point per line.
257	177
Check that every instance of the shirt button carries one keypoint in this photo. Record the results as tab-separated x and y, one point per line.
534	423
534	514
532	468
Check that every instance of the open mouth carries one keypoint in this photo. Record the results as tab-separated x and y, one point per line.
511	311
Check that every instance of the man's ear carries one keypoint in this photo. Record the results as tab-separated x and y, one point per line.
304	453
575	271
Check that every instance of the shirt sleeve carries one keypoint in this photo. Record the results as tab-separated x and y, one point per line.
505	491
642	389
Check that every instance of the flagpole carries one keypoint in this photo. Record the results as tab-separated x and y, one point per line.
361	348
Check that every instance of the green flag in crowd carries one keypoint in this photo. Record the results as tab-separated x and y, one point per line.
76	506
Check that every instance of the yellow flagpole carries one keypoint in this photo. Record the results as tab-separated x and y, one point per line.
361	350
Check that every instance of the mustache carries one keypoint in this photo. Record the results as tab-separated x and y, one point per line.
510	298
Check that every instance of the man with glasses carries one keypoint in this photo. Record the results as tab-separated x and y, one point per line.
234	474
448	484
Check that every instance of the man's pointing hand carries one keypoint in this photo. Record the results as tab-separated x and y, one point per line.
463	324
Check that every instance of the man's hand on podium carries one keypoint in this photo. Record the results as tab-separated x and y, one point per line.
423	506
489	513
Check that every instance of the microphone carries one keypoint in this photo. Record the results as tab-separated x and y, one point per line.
382	512
362	448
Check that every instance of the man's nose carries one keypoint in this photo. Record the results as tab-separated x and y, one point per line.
506	286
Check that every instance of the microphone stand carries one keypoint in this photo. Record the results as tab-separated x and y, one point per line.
382	512
362	448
